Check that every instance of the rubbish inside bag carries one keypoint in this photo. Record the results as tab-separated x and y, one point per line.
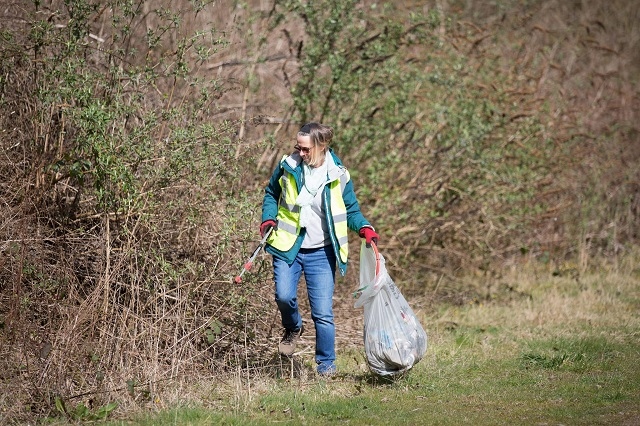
394	339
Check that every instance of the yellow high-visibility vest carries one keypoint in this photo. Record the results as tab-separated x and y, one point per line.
284	236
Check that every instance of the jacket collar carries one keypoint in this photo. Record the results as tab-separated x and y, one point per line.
335	169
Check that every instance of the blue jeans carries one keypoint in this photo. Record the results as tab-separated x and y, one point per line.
319	268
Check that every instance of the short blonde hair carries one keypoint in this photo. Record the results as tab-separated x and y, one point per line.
320	136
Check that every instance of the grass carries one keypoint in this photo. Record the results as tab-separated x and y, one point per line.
566	352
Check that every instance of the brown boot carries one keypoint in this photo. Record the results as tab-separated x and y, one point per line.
288	343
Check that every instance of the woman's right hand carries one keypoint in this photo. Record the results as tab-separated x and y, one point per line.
266	225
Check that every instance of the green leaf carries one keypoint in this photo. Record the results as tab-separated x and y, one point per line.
105	410
60	406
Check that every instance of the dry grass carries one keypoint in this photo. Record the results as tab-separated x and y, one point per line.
491	355
545	301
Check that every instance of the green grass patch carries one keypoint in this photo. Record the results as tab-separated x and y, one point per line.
562	357
579	354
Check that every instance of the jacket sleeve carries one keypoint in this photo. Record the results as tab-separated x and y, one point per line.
355	218
272	195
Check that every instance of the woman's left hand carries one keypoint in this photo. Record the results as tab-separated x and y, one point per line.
369	235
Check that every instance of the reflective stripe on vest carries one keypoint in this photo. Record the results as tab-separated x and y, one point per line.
339	214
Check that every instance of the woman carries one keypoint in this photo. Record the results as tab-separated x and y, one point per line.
310	203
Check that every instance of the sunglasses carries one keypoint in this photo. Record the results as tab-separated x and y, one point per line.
302	149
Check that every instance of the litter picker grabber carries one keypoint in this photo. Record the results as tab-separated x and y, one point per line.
249	263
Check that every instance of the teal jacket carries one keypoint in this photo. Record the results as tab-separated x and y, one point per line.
293	165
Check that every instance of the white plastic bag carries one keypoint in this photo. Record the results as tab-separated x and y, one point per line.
394	340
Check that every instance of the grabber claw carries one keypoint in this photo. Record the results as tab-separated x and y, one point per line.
249	263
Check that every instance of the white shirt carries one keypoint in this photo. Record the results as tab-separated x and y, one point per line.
317	230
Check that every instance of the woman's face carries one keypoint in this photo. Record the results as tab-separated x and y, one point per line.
305	147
